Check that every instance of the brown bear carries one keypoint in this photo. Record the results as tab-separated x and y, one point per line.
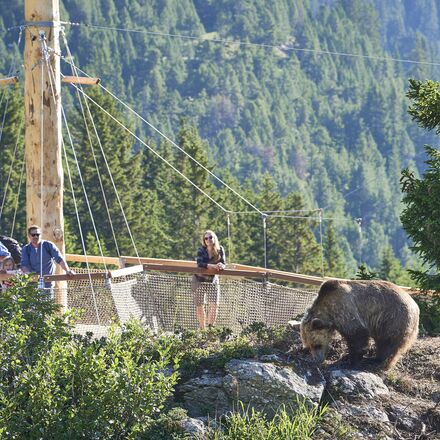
360	310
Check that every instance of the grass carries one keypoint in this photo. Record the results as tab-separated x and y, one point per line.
288	424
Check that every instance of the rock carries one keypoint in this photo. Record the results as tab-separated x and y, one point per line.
357	383
294	324
205	395
194	427
265	386
260	385
367	411
405	418
270	358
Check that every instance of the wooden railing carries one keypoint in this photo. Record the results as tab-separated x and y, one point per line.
136	265
182	266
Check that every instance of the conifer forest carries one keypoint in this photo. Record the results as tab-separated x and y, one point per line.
300	106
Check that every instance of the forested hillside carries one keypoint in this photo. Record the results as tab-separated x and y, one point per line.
276	111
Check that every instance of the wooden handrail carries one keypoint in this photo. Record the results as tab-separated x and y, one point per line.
9	80
170	265
144	260
92	259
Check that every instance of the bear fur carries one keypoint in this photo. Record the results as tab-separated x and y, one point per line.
360	310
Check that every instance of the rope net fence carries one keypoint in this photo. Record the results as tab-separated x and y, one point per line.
164	302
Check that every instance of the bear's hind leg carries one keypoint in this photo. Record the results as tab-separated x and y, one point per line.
387	353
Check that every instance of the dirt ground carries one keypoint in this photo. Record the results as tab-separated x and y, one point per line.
413	405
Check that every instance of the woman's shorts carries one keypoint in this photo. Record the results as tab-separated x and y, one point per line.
209	290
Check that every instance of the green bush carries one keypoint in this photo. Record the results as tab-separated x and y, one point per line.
167	426
429	314
210	348
60	386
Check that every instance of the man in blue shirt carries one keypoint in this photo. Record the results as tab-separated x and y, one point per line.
40	256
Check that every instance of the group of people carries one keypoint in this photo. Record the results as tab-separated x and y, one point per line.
40	256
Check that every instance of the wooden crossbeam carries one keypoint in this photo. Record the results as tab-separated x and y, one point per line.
125	271
85	80
9	80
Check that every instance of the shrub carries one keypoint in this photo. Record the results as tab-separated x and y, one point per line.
56	385
429	314
210	348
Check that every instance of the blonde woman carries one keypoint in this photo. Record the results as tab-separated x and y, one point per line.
209	256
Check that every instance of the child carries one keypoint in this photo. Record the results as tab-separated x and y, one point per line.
8	266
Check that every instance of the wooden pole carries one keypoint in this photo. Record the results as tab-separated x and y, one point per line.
44	173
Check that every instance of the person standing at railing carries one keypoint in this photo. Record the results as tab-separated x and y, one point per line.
209	256
39	256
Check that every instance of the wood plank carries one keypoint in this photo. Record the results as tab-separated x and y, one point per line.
144	260
78	276
85	80
6	276
9	80
126	271
198	270
92	259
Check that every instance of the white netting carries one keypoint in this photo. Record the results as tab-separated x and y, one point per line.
165	302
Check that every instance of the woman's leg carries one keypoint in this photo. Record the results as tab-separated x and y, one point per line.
213	300
200	313
212	313
199	300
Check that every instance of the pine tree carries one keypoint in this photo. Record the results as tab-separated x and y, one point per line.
12	169
391	270
333	256
190	211
421	215
126	173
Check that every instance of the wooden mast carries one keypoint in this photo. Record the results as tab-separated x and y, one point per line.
42	98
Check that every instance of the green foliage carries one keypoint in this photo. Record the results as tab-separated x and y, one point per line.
365	273
391	270
333	129
210	348
12	170
265	338
335	264
167	427
420	217
429	314
288	423
55	385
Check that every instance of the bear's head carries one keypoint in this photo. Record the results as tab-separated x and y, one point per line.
316	334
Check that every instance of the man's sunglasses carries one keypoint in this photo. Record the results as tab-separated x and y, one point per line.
35	234
210	237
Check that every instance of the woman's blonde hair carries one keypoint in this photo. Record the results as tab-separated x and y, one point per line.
215	242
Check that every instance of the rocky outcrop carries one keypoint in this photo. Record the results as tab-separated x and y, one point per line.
260	385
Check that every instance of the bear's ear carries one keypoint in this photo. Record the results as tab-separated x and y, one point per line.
319	324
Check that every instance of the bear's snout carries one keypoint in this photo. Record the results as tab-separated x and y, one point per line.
318	355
